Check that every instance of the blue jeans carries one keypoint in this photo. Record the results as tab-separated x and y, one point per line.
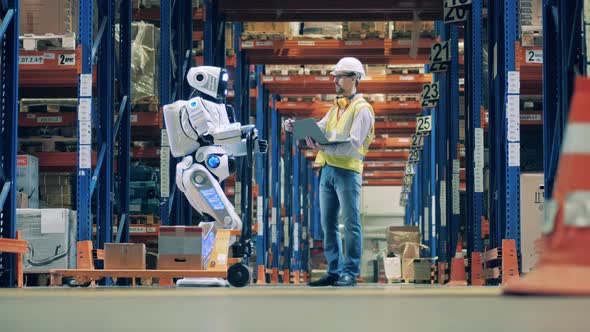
340	189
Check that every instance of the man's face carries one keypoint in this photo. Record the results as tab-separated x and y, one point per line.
343	82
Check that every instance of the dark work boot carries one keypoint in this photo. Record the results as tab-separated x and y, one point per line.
346	280
327	280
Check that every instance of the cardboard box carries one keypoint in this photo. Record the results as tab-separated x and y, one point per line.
180	247
393	268
124	256
56	190
22	201
397	236
531	217
27	178
268	27
40	16
52	238
180	262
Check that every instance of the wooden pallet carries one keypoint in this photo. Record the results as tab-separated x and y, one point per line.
144	219
48	144
260	35
48	105
48	41
146	104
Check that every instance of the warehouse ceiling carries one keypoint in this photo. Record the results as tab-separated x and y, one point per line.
330	10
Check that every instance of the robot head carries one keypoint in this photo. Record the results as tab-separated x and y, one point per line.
209	80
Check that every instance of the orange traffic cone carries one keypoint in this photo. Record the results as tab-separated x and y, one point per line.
458	277
564	266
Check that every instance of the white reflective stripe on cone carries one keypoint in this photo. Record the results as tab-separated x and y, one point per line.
550	209
577	209
577	138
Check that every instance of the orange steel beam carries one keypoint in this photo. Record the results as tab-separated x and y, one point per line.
369	182
375	166
375	175
44	70
13	246
319	109
391	143
372	155
318	84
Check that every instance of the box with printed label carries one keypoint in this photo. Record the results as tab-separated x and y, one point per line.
124	256
180	248
52	238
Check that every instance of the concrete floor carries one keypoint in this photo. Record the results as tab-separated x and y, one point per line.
287	308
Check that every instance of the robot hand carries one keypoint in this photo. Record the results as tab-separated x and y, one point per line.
262	146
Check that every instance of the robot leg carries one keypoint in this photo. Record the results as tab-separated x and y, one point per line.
206	196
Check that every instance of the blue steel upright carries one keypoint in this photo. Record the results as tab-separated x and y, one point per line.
104	132
474	171
9	11
561	48
84	169
442	137
432	220
453	207
512	179
182	26
261	178
296	207
123	127
276	222
165	77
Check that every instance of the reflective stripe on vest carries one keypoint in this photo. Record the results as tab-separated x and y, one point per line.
339	129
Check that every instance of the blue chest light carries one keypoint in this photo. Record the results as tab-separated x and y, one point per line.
213	161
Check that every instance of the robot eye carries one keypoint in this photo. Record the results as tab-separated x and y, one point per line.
213	161
200	77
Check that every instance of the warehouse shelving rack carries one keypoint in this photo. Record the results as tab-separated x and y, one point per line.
8	134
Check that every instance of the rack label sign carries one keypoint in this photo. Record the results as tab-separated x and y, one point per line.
67	60
440	52
534	56
430	92
264	43
417	142
31	60
455	14
424	125
49	119
414	156
457	3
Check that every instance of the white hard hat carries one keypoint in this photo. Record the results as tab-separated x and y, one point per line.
351	65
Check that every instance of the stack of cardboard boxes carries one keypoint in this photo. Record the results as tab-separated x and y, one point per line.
531	22
403	247
41	17
144	190
57	190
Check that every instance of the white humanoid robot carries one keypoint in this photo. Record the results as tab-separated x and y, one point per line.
200	131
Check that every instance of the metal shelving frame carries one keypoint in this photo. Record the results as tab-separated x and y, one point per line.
9	31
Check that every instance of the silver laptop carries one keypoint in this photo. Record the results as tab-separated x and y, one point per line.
309	128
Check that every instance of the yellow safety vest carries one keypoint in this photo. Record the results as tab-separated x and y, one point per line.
339	129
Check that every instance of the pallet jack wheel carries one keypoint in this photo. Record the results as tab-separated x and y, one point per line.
238	275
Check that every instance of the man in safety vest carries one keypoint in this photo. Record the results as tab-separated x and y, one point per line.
352	119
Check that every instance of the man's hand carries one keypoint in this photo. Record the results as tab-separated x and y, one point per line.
288	125
313	145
